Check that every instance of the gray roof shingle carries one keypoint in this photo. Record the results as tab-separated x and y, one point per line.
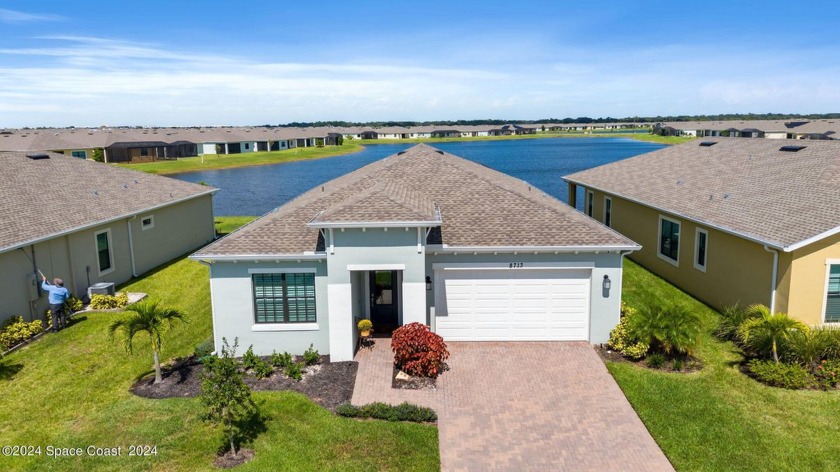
45	197
480	207
745	186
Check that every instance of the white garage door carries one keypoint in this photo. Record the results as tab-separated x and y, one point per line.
513	305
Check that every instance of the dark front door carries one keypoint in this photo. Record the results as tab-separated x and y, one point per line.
384	299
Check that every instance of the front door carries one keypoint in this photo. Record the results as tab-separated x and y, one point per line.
384	299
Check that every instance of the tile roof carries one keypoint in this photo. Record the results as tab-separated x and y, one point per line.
480	207
745	186
45	197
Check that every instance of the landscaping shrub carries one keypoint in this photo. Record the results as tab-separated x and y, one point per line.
827	374
620	339
263	370
382	411
678	364
777	374
107	302
670	329
418	351
766	332
809	346
281	360
15	331
731	318
655	360
204	348
249	359
311	356
294	371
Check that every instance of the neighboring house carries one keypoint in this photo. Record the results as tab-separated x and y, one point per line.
87	222
731	220
420	236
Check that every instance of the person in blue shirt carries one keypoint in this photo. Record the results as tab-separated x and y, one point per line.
58	295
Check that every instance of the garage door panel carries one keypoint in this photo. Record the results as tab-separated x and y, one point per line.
514	305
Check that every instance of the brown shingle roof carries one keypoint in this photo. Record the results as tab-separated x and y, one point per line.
45	197
745	186
480	207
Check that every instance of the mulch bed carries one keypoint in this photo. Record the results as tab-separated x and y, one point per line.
229	461
690	364
327	384
411	383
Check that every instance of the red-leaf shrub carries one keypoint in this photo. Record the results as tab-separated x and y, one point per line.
418	351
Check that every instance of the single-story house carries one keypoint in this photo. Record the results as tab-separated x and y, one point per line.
731	220
87	222
420	236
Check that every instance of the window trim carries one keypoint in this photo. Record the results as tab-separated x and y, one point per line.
701	268
828	264
110	240
151	225
590	203
607	212
286	326
675	263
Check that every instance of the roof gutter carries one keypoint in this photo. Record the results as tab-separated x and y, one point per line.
376	224
774	245
527	249
257	257
102	222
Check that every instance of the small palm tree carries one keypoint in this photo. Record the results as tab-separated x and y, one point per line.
772	326
150	318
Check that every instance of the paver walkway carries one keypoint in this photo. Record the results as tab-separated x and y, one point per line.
522	406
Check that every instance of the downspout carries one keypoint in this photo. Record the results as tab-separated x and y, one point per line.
773	281
131	245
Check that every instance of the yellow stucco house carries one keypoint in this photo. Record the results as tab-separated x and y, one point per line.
731	220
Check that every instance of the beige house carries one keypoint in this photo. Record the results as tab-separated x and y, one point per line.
731	220
88	222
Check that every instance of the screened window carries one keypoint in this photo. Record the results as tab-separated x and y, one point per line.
700	249
144	152
79	154
669	239
832	299
608	211
284	298
590	197
103	251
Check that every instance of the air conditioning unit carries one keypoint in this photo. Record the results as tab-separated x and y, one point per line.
101	288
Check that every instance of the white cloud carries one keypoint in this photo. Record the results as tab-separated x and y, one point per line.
12	16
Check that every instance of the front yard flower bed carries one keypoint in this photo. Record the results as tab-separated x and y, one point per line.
326	383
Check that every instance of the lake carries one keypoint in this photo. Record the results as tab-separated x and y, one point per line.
540	162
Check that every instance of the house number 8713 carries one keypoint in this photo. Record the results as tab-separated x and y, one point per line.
515	265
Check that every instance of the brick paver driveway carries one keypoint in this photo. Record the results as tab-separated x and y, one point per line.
528	406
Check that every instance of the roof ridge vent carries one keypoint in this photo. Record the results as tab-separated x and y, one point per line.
791	148
439	151
708	143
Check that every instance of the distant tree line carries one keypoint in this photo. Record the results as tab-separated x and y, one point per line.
581	119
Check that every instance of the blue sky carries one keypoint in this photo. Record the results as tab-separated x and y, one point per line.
92	63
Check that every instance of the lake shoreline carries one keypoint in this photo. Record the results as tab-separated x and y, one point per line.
356	146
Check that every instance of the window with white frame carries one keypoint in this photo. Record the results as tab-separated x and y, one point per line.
284	297
701	245
832	295
590	203
669	239
104	251
147	222
608	211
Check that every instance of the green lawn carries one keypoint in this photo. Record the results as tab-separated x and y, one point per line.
226	224
226	161
718	418
71	390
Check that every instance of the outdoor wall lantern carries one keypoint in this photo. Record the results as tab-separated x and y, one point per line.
607	282
428	283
